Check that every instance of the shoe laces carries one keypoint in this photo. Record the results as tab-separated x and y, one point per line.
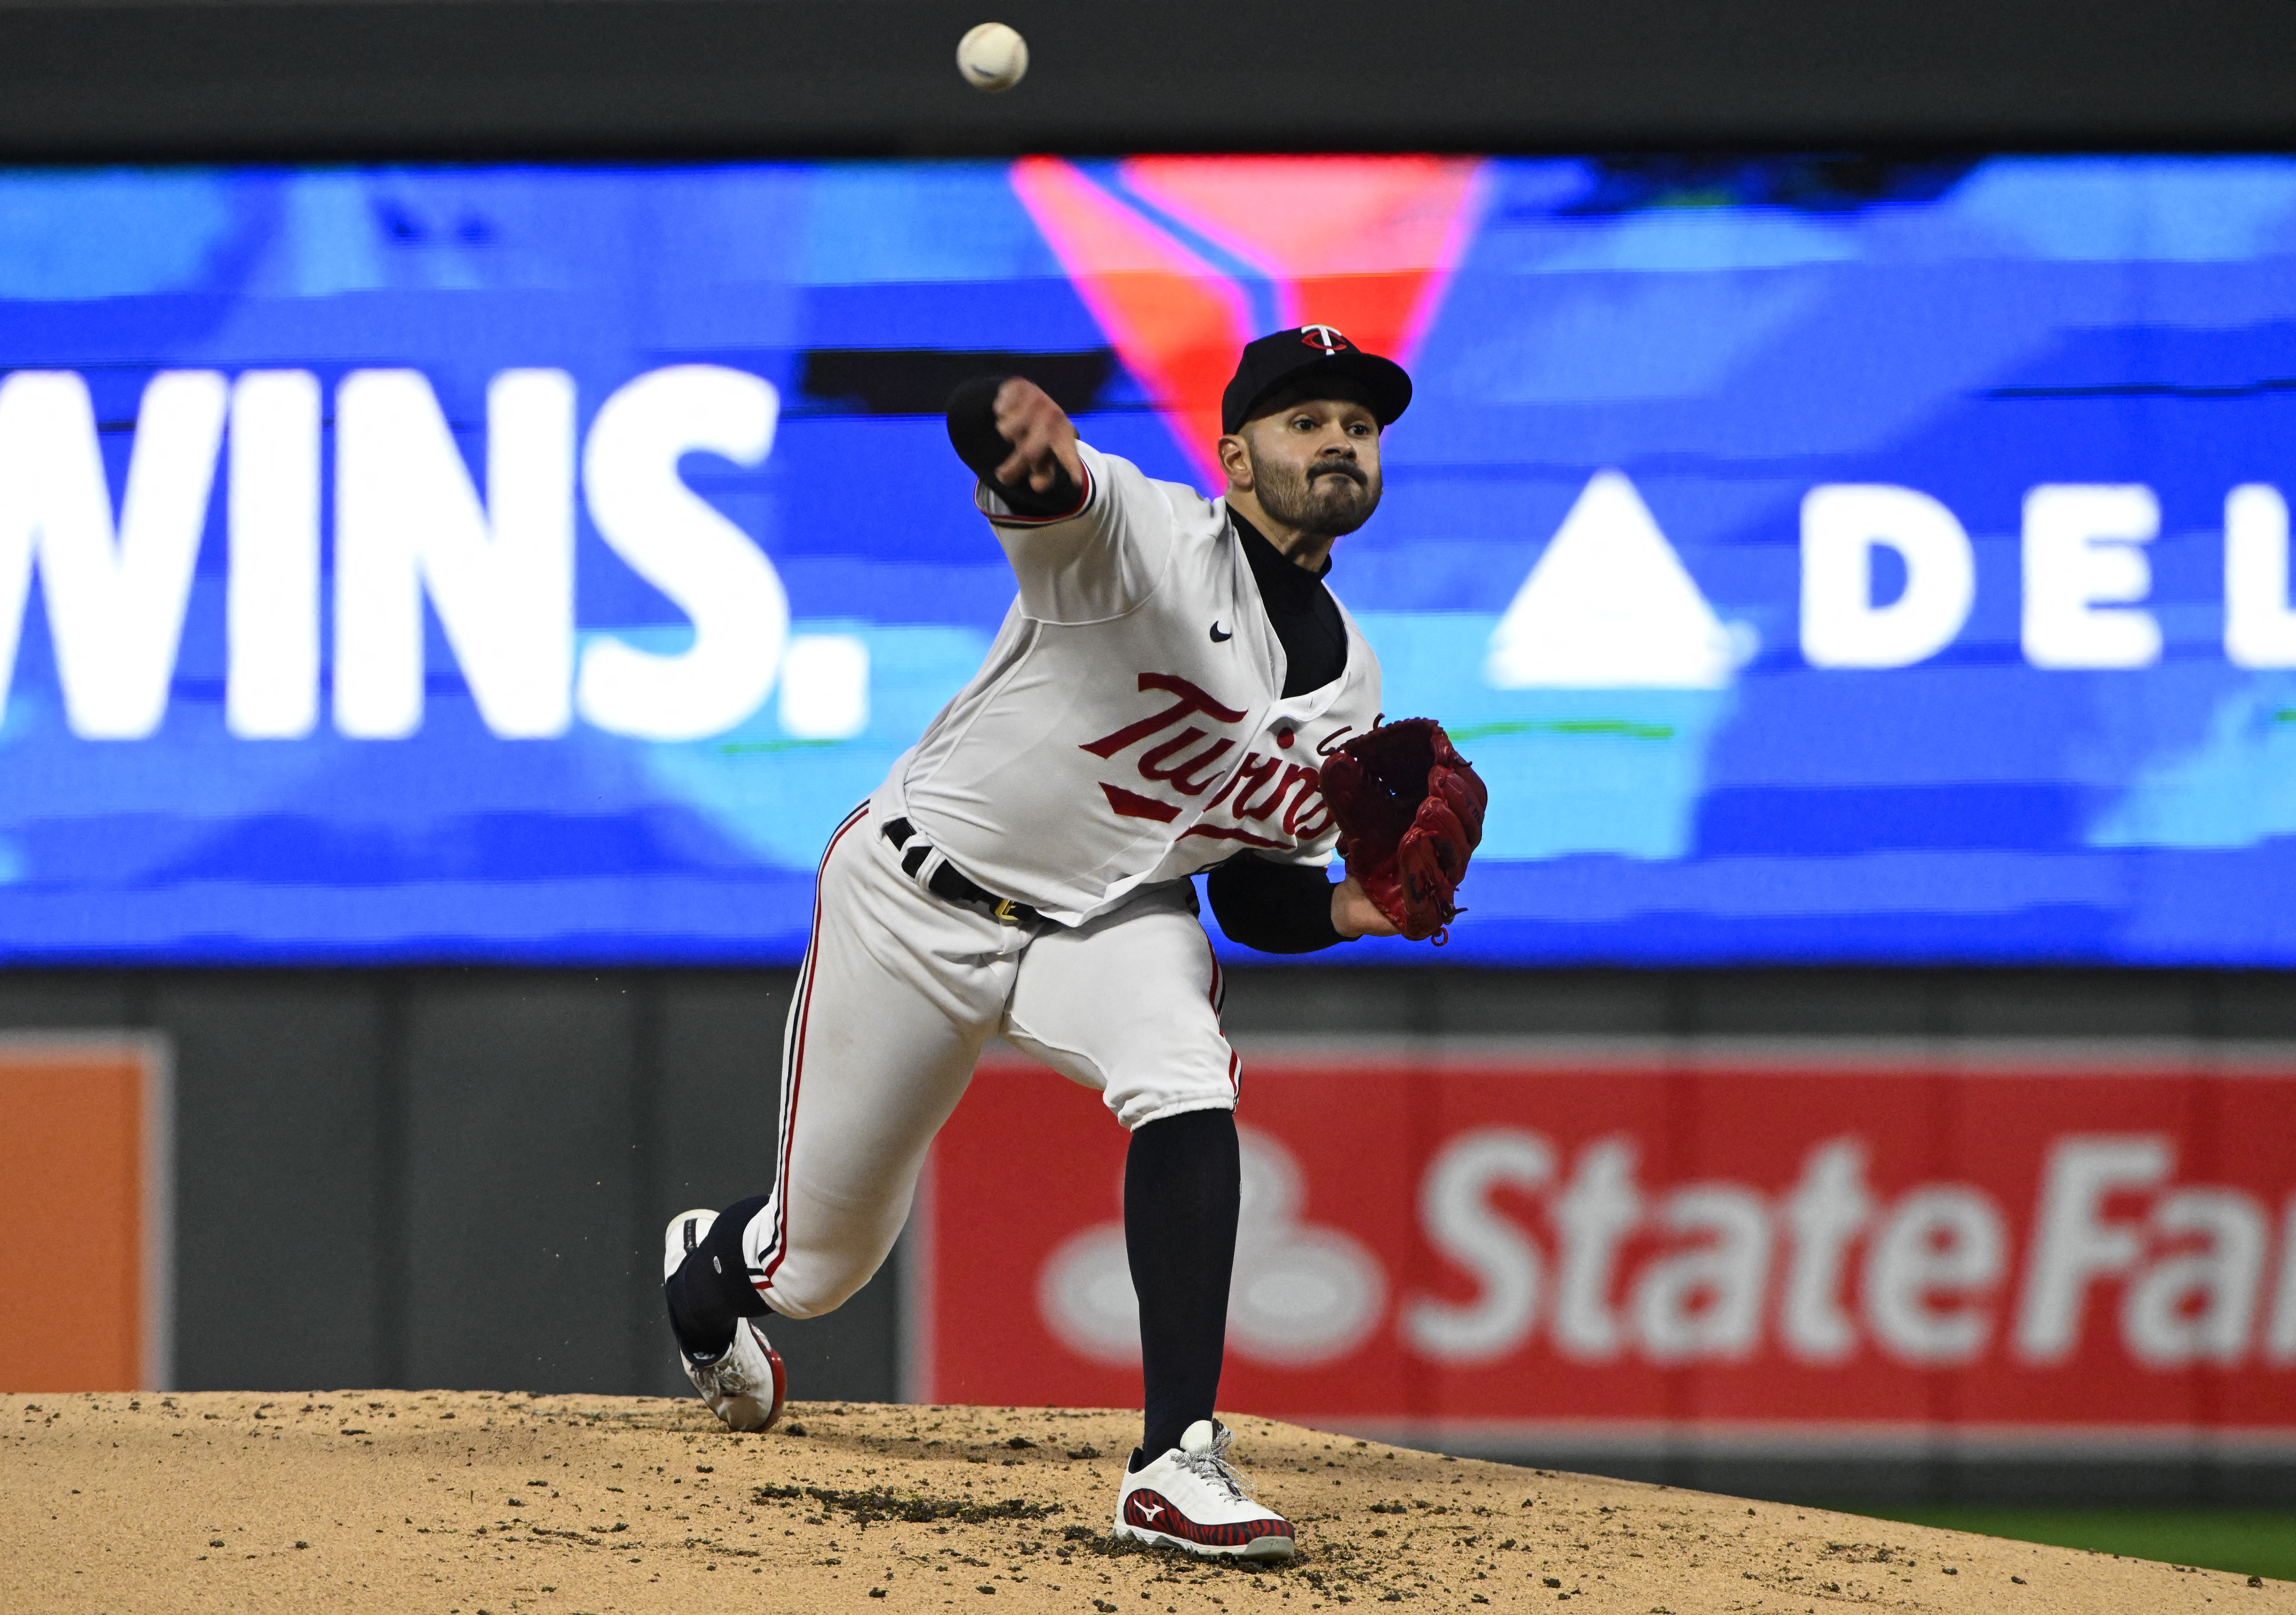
726	1368
1214	1467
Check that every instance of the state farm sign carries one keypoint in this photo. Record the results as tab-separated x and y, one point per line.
1817	1242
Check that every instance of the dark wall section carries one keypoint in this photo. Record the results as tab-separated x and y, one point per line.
1769	1003
457	1179
306	78
285	1202
524	1160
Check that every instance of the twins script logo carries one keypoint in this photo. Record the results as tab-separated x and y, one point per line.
1266	792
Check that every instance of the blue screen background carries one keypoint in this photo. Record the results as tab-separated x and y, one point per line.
1726	338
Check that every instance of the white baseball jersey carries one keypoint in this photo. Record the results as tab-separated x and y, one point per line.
1129	726
1127	730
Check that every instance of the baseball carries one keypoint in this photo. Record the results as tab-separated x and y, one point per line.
992	57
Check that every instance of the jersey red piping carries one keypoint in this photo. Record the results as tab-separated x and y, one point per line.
780	1247
1010	521
1216	996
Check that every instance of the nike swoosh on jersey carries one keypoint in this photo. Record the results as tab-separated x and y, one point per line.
1218	637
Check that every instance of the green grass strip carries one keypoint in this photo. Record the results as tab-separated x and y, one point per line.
2246	1541
1625	726
756	748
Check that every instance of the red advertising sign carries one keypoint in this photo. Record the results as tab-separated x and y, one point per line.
1849	1245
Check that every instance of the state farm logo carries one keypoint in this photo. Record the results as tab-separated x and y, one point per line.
1686	1244
1689	1244
1301	1294
1706	1270
1607	1267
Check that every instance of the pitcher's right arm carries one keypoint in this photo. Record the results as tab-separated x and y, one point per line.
1085	533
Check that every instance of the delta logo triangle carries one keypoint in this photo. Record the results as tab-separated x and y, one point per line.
1362	243
1184	260
1609	606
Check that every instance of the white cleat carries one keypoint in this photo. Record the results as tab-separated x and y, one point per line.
744	1387
1193	1498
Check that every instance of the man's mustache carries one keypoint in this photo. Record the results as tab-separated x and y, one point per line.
1340	468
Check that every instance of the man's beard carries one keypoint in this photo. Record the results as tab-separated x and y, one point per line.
1330	500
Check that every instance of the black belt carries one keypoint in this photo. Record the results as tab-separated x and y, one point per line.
950	886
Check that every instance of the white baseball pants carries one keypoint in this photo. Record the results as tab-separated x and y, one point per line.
900	993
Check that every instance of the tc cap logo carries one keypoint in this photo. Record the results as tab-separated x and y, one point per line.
1325	338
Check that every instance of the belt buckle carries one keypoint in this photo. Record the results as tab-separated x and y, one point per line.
1006	912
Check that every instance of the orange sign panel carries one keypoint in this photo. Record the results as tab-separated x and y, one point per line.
85	1201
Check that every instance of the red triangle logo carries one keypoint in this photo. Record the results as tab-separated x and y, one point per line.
1366	244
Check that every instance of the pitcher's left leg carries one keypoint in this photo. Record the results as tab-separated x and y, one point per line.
1129	1004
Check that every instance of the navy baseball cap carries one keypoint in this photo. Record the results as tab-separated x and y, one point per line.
1300	353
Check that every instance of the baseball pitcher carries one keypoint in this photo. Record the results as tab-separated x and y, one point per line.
1174	690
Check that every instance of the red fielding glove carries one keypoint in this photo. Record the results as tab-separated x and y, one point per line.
1410	813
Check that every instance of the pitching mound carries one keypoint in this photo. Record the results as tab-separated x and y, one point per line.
482	1504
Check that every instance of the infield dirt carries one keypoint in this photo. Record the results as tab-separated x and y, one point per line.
486	1504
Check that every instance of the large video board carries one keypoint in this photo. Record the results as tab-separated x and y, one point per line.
1822	560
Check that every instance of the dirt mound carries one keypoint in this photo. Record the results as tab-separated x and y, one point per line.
483	1503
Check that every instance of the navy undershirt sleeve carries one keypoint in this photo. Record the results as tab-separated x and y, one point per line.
972	433
1276	908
